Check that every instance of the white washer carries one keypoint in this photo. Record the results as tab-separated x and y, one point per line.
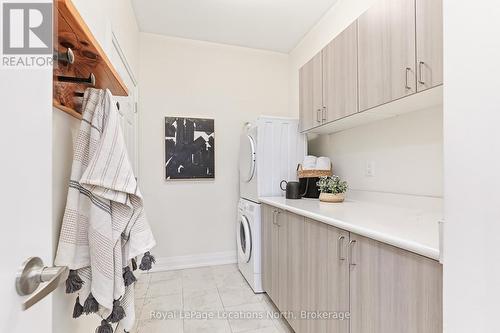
248	236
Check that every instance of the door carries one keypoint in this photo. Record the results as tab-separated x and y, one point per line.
317	89
294	258
340	76
338	279
307	115
386	52
311	93
244	239
315	278
281	226
269	252
247	158
393	290
429	43
127	105
26	145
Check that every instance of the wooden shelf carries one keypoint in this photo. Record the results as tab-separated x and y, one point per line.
71	31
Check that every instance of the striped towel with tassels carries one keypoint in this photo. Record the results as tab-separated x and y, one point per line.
104	225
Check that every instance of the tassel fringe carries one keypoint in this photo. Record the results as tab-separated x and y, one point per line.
78	309
74	283
147	262
118	313
91	305
105	327
128	276
134	264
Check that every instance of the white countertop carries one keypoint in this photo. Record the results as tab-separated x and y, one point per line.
412	229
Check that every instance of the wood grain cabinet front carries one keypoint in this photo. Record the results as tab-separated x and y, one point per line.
429	43
393	290
386	52
326	279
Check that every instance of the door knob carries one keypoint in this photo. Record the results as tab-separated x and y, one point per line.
33	273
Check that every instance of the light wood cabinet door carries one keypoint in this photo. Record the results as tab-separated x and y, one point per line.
269	252
386	52
315	278
340	76
393	290
294	257
307	115
429	43
317	81
338	280
281	285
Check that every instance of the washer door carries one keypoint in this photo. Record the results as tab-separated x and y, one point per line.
244	239
247	158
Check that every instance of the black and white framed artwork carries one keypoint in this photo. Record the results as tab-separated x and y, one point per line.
189	148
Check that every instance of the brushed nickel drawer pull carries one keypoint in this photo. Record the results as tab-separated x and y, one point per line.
420	76
351	252
408	69
340	245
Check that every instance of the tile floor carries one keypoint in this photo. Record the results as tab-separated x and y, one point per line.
217	290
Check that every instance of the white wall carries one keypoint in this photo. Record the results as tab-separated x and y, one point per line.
407	150
188	78
406	153
472	164
112	16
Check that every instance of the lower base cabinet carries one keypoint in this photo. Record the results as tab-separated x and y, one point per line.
327	280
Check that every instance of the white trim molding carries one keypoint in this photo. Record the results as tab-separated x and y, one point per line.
195	260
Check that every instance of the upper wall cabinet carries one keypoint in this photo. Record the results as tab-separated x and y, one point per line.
386	52
311	93
328	82
340	71
429	43
394	50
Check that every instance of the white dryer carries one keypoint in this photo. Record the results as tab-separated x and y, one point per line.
270	150
248	236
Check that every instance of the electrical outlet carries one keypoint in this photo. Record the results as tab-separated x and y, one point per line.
370	169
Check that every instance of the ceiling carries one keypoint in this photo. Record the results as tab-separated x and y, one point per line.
276	25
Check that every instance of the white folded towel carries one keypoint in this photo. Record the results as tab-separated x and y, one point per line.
323	163
309	162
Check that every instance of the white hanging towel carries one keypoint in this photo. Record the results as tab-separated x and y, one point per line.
104	224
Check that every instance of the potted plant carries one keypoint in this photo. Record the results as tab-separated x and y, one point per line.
332	189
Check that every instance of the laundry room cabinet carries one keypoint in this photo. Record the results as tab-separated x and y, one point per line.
392	51
328	82
314	269
429	14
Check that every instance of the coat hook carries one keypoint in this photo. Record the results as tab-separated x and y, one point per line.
90	80
68	56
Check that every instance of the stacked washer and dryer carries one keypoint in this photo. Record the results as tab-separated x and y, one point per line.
270	150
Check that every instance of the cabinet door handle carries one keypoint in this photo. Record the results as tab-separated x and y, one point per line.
275	215
408	70
318	115
323	118
351	252
340	245
420	76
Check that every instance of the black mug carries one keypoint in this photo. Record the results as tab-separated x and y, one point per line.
292	190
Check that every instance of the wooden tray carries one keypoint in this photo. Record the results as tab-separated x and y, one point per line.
313	173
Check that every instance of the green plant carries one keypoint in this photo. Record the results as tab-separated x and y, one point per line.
332	185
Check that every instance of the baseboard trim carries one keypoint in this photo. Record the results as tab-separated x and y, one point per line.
193	261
